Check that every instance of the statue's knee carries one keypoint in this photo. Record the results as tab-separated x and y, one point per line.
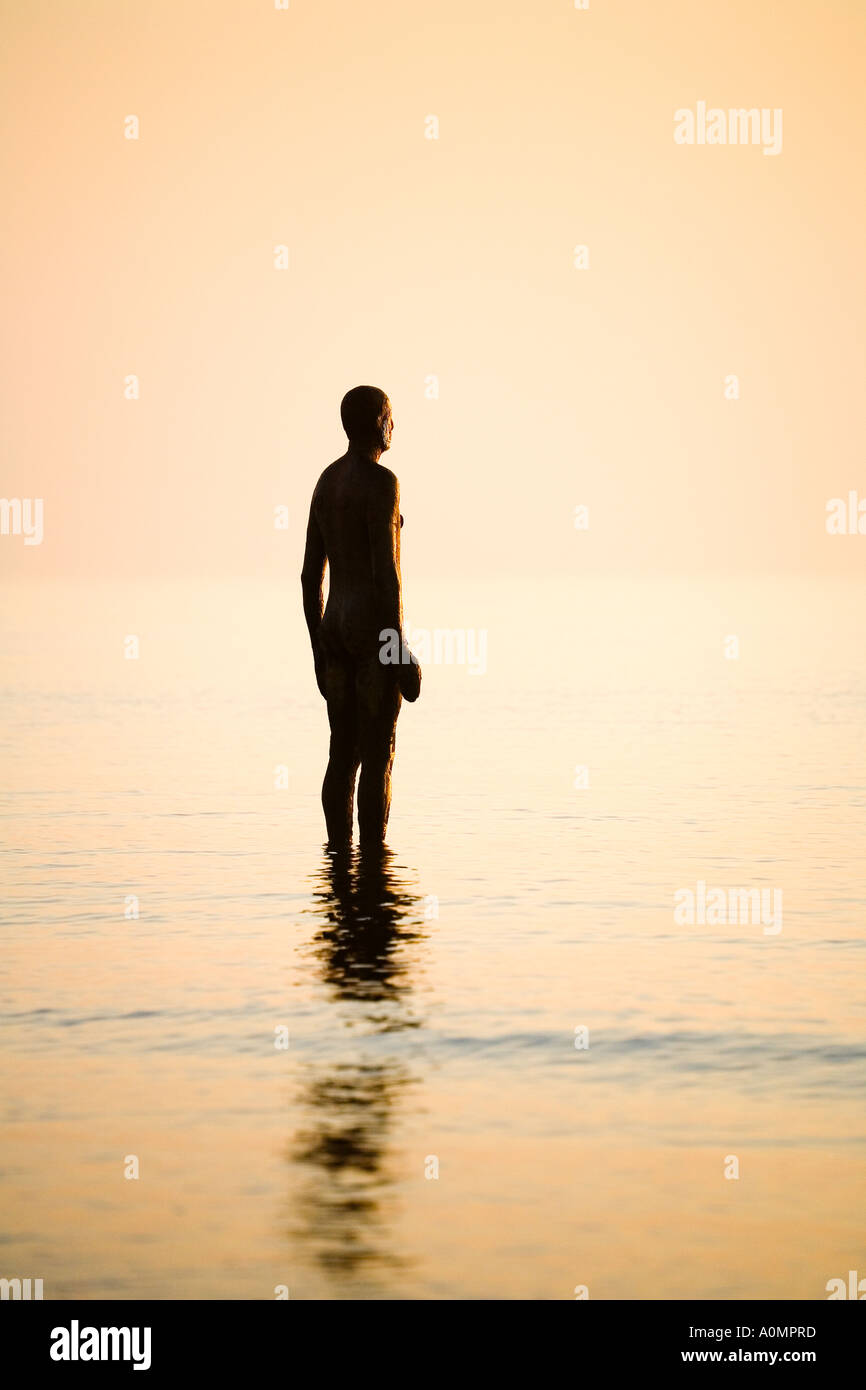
344	757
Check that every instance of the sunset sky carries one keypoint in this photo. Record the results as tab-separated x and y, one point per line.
412	257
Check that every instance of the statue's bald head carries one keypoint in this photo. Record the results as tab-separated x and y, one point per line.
366	415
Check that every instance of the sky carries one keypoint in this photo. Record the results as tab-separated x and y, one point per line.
441	269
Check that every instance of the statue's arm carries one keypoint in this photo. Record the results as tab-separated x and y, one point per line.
312	581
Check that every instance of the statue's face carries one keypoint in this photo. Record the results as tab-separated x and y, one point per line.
386	426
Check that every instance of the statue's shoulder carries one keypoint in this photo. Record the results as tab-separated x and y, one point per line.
325	478
385	481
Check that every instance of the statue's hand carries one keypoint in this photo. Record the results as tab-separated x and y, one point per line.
410	678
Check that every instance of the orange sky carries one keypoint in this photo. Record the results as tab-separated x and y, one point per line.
411	257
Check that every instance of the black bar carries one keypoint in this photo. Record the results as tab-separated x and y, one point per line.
225	1338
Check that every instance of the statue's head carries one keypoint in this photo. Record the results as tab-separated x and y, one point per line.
366	415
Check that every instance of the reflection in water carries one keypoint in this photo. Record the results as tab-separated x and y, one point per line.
369	917
370	914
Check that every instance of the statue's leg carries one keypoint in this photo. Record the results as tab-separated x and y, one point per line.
338	788
379	703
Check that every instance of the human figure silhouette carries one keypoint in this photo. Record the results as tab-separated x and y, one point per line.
354	528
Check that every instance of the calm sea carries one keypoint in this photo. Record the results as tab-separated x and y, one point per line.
498	1065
